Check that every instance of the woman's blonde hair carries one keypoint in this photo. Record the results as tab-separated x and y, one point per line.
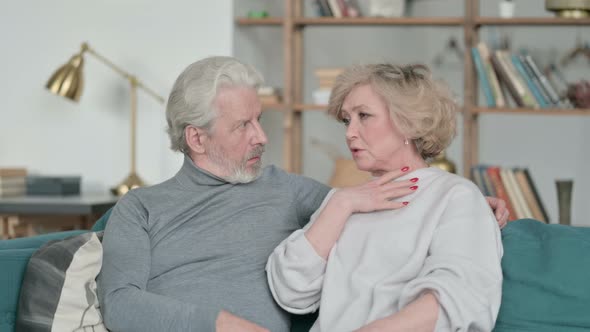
420	107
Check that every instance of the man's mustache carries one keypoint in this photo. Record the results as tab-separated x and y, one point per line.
257	152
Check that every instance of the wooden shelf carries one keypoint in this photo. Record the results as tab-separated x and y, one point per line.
310	107
549	21
259	21
529	111
369	21
274	107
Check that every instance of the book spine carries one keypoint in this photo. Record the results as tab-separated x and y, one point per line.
335	8
478	180
326	8
529	82
519	195
521	87
528	195
483	77
553	96
505	78
484	53
494	174
518	212
536	194
535	80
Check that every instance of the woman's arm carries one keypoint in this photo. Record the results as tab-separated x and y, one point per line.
463	265
419	316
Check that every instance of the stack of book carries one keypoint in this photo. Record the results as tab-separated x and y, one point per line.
337	8
13	182
269	95
513	185
326	78
499	71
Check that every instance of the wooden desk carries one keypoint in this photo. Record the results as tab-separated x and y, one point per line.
78	212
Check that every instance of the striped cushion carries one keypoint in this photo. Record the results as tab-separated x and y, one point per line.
58	292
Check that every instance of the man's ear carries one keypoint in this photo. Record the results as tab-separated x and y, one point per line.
195	138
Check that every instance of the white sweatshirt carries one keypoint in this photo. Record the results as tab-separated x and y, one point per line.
446	240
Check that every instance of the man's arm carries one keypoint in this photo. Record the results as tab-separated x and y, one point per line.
500	210
125	302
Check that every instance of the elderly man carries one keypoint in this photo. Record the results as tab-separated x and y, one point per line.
189	254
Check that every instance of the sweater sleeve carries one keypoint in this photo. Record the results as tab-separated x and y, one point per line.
295	271
125	302
309	194
462	267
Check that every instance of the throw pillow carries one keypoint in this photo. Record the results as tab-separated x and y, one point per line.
58	292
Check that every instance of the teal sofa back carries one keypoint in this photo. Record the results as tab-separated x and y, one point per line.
546	272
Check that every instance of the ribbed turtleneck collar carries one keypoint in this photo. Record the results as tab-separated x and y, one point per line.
191	175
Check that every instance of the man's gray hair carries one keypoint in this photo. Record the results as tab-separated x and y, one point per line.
191	99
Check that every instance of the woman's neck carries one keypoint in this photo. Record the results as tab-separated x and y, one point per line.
413	161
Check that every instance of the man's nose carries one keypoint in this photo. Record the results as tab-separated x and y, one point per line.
260	136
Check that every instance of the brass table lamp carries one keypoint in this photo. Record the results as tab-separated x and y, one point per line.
68	82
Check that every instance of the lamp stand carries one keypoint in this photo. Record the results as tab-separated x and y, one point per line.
132	180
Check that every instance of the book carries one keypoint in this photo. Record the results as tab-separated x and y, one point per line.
484	53
483	77
504	77
535	80
528	195
521	87
547	87
536	194
501	193
11	181
478	180
13	191
6	172
335	8
526	211
325	8
269	99
529	82
517	209
486	180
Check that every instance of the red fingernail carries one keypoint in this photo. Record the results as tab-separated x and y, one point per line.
405	169
405	203
414	180
414	187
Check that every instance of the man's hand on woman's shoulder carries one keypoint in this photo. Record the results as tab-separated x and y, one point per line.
227	322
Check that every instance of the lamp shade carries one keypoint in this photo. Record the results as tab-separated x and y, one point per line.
68	80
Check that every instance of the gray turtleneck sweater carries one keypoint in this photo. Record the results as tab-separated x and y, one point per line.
177	253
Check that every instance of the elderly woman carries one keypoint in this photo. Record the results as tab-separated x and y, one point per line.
374	262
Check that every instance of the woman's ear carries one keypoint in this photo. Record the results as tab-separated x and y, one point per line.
195	138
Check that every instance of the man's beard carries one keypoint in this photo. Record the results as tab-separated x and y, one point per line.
237	170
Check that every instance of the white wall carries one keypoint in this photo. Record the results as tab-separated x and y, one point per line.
154	40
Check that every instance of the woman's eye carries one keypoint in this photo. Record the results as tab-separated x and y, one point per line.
363	115
346	122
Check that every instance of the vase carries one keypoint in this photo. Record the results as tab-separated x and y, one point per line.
564	200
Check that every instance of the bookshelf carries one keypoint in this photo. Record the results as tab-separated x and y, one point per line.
293	23
471	112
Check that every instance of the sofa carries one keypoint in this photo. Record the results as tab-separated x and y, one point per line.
546	277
